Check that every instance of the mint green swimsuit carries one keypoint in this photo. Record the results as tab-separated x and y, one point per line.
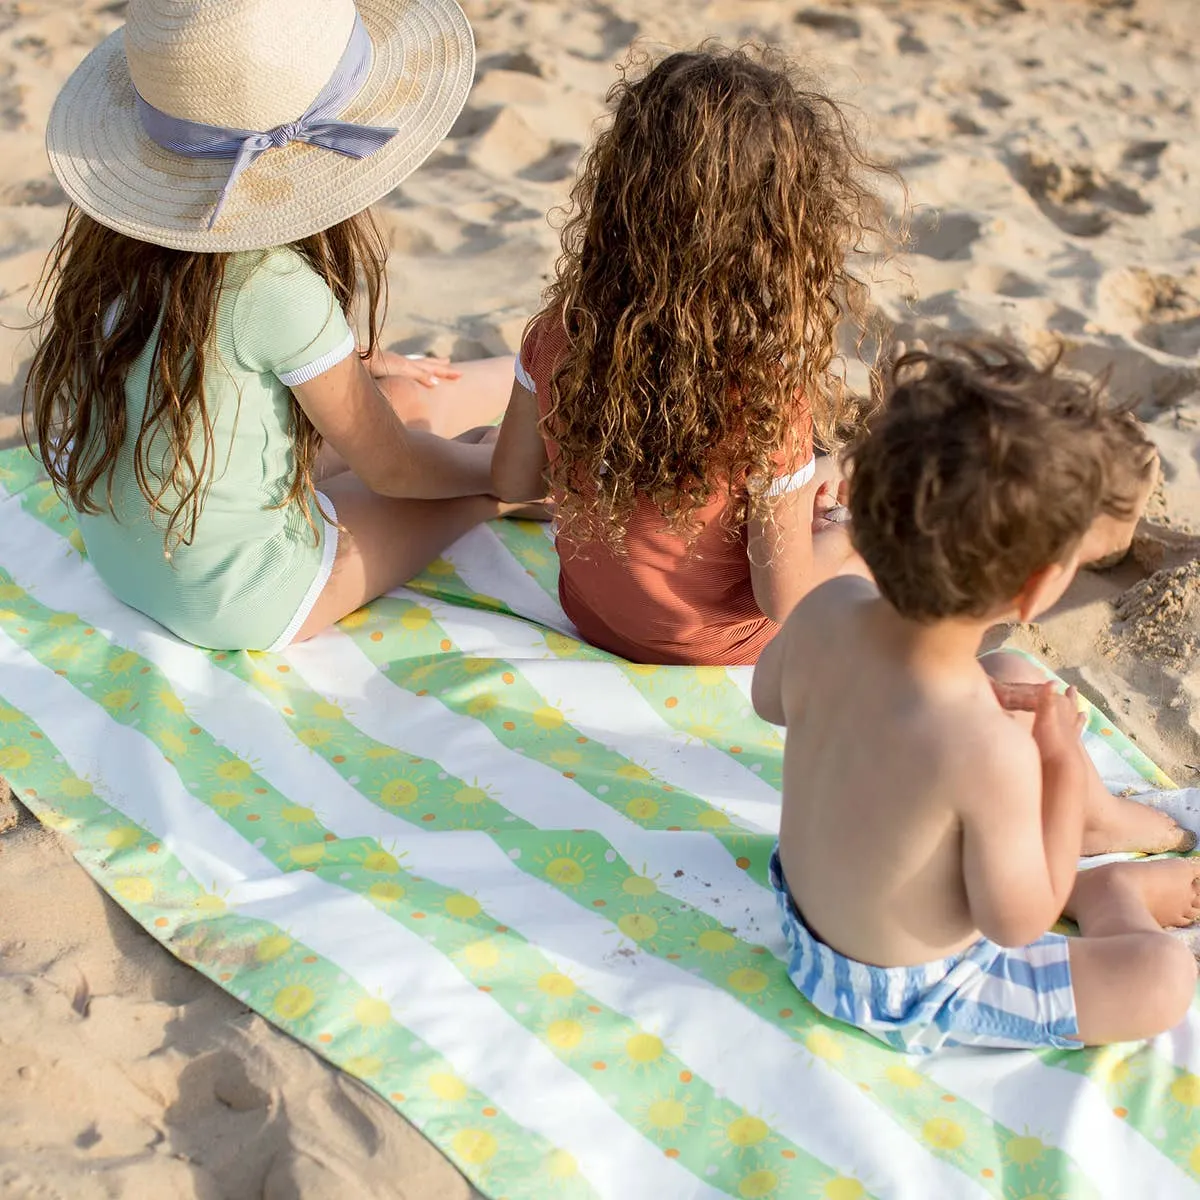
253	571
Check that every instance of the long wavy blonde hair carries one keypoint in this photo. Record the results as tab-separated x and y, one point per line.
705	270
75	391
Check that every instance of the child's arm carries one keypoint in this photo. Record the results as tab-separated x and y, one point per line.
766	685
354	417
803	631
1057	725
520	459
792	550
1023	825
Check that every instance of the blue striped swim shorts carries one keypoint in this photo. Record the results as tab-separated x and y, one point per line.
986	995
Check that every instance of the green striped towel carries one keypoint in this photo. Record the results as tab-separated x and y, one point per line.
518	887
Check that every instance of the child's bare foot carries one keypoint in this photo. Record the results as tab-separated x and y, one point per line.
1124	824
1104	896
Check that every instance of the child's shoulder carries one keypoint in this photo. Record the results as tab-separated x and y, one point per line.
832	604
545	335
824	623
264	284
279	312
263	269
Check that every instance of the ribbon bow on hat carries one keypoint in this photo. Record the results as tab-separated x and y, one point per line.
316	126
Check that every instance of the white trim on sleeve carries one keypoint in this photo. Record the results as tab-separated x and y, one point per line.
319	366
794	482
523	376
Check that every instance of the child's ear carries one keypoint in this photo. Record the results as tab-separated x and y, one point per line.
1044	588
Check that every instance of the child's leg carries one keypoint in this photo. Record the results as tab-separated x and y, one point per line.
479	397
385	542
331	463
1131	980
1113	823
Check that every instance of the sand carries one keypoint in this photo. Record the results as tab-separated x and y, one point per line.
1049	146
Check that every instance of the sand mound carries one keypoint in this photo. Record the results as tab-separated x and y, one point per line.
1161	615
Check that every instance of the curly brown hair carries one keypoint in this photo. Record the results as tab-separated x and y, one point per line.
75	391
982	469
703	276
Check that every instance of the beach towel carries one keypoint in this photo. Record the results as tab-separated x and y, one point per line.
519	888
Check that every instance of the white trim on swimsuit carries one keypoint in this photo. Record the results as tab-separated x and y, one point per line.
328	554
523	376
794	482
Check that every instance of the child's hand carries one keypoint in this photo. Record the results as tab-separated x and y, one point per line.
1057	724
424	369
1018	697
829	509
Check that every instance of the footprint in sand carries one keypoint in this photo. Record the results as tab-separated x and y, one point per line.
1015	286
944	235
45	193
613	36
907	42
1144	158
837	24
556	164
1135	375
520	61
12	107
1160	311
1171	318
1079	198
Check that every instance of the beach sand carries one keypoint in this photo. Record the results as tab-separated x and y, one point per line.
1049	146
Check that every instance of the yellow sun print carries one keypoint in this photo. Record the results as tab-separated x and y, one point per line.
117	699
448	1087
639	885
398	793
943	1134
272	947
475	1146
643	1050
666	1115
715	941
14	758
759	1184
372	1012
386	892
122	664
566	865
1024	1151
557	985
564	1035
462	907
642	808
134	889
844	1187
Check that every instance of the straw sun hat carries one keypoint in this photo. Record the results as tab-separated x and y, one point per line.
225	125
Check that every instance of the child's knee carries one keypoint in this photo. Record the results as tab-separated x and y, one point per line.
1172	975
1167	971
1007	666
406	400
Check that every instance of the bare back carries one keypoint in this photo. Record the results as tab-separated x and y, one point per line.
878	772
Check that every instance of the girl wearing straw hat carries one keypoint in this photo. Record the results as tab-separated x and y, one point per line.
196	367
